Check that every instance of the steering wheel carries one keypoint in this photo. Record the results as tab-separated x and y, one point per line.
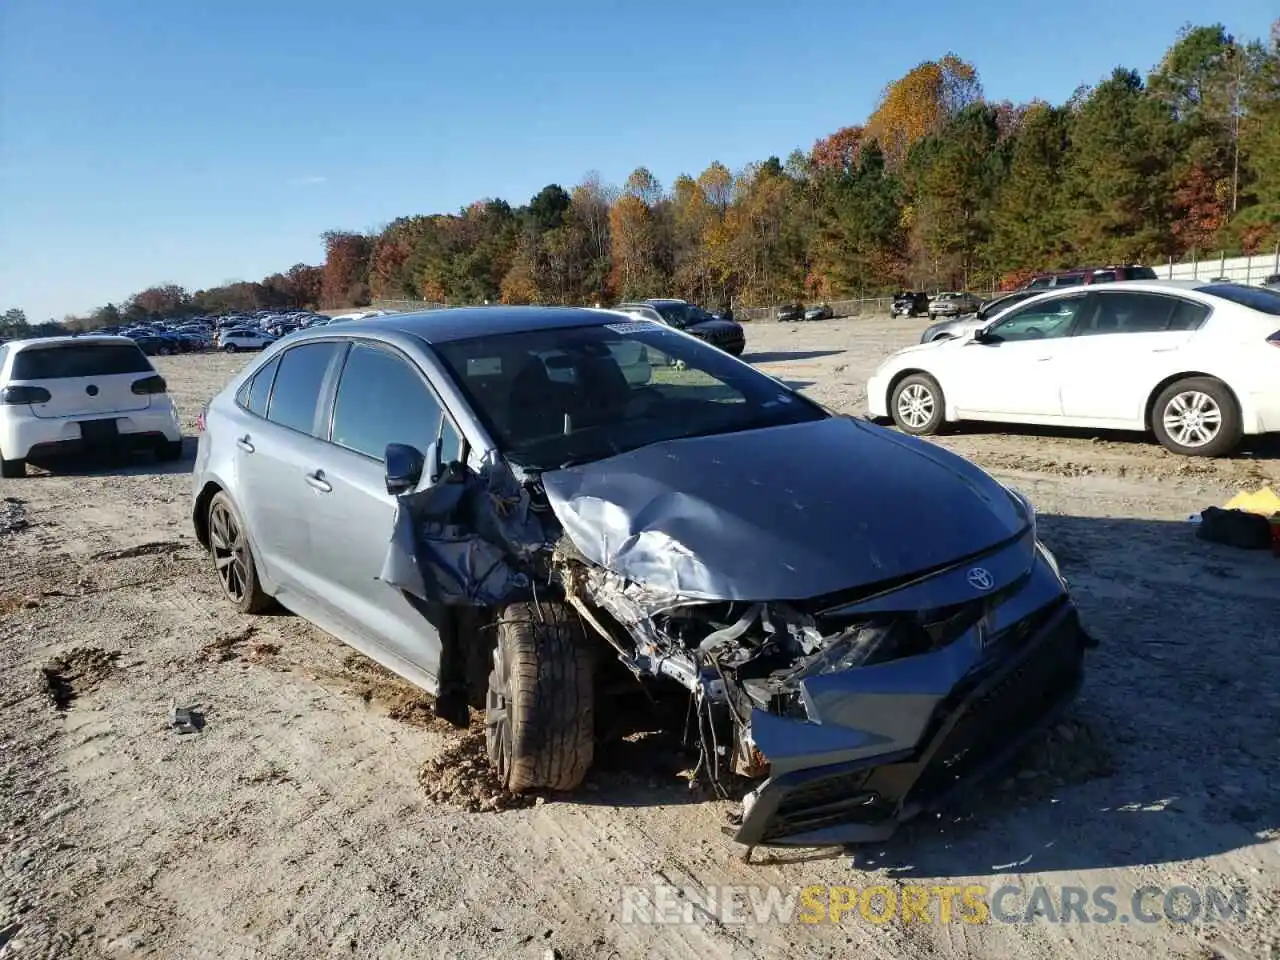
1034	333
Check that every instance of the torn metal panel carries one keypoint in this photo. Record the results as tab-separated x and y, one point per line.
785	513
468	540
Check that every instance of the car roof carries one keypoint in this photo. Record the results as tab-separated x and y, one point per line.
464	323
1131	286
105	339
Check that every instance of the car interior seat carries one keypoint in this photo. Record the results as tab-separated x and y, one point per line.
536	404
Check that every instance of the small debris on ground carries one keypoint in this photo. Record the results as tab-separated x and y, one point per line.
185	719
13	516
461	777
79	671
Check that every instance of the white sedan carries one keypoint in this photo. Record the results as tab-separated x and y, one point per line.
1196	363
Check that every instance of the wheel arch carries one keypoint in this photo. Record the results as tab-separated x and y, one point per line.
200	511
1148	413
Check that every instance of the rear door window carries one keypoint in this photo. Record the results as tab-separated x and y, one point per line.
1142	313
299	384
382	399
79	360
255	394
1069	280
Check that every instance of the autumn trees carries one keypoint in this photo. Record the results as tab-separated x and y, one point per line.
937	188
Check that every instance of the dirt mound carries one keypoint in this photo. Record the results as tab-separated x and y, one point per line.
461	777
401	699
71	674
224	647
1071	753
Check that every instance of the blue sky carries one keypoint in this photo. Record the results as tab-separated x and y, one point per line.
201	141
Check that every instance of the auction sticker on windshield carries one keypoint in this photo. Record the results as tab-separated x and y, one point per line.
636	326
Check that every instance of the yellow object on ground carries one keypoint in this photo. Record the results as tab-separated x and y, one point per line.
1265	501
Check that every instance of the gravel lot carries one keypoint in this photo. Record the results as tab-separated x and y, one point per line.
295	824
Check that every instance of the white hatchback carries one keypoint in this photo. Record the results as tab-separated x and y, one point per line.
1195	363
74	394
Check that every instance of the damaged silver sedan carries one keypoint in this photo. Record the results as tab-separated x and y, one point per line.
506	506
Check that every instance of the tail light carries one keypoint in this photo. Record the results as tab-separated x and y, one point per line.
15	395
148	385
200	419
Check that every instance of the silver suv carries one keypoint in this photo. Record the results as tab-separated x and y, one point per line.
486	503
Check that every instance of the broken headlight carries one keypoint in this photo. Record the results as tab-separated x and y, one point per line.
855	646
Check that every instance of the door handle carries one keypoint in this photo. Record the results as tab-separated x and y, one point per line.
244	444
317	481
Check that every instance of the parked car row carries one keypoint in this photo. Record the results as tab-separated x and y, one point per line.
795	312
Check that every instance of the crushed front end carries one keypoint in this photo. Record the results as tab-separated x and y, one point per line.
852	713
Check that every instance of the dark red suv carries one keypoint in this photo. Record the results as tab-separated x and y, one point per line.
1082	275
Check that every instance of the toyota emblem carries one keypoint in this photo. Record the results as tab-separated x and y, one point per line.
980	578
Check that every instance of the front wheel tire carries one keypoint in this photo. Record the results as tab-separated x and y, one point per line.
1197	417
540	706
917	405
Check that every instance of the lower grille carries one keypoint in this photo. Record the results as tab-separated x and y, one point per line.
1004	710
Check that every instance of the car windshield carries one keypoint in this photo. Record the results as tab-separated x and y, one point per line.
552	398
1256	298
79	360
676	314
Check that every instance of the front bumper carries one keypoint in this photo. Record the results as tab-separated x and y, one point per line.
877	397
974	729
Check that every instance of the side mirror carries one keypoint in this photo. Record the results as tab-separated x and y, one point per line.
979	335
406	464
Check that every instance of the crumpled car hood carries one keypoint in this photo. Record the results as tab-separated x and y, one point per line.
783	513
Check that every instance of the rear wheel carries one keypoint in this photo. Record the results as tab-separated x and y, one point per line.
230	348
1197	417
540	706
917	405
167	451
233	559
12	469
